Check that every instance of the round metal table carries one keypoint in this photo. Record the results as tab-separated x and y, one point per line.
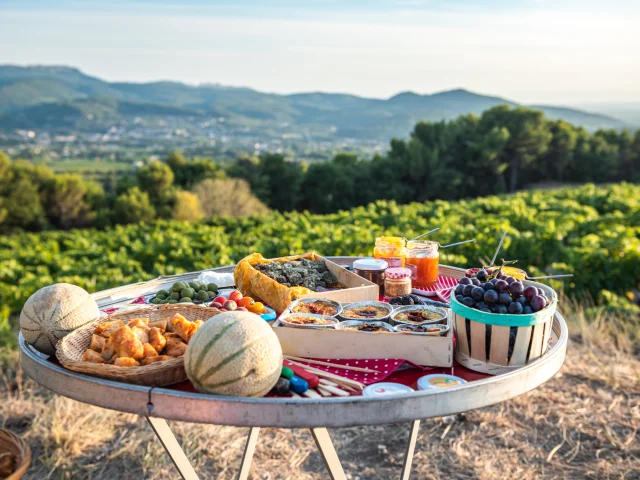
160	404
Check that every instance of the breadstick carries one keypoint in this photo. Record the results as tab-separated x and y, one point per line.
327	364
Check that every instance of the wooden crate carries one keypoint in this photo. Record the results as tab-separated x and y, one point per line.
330	343
359	289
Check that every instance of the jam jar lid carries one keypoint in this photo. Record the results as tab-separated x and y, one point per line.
370	264
397	272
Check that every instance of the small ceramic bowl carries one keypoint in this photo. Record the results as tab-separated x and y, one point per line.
301	301
289	320
383	315
439	315
432	330
356	325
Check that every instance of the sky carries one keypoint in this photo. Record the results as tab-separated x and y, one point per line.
561	52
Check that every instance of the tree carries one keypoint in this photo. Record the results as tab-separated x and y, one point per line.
187	207
71	201
230	197
283	180
23	206
133	206
529	137
559	155
155	179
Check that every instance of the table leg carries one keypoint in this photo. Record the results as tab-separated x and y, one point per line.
328	453
247	456
171	445
408	456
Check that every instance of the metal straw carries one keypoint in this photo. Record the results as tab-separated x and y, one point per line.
551	276
458	243
493	260
430	231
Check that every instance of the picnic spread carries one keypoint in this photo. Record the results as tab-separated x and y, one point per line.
302	328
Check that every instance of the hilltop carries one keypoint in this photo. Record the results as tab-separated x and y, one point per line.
60	98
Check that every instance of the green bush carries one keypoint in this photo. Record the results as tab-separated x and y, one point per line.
589	231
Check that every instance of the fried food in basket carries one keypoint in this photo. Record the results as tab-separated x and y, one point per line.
183	327
136	343
156	339
105	329
126	362
280	281
150	360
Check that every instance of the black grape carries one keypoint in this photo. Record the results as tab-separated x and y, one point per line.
509	280
482	275
501	309
516	288
458	290
501	286
481	305
459	298
468	301
493	281
475	281
466	291
488	286
464	281
490	296
504	299
485	310
477	293
530	292
538	303
541	292
521	300
515	308
527	310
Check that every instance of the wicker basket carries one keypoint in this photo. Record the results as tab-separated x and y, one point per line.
499	343
18	448
71	348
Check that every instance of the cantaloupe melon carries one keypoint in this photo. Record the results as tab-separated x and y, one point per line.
53	312
234	353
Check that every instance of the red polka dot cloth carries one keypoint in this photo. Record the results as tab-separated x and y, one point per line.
385	367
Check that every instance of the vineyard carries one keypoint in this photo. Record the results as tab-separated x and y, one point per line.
590	231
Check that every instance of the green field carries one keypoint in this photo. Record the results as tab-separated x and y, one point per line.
89	166
590	231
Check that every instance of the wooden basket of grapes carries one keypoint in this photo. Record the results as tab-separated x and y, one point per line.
15	455
495	336
158	367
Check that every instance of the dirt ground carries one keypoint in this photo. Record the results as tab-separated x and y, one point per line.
581	424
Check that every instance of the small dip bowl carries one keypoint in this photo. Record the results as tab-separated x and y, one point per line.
303	302
380	311
431	315
307	320
432	330
365	326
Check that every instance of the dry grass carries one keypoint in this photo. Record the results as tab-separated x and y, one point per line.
581	424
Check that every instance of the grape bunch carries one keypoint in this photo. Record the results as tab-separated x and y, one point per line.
499	294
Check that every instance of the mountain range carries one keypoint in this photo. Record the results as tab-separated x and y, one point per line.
63	98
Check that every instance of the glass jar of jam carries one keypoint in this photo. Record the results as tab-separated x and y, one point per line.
397	282
372	269
391	249
423	259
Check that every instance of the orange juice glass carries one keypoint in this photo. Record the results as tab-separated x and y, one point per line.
423	259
